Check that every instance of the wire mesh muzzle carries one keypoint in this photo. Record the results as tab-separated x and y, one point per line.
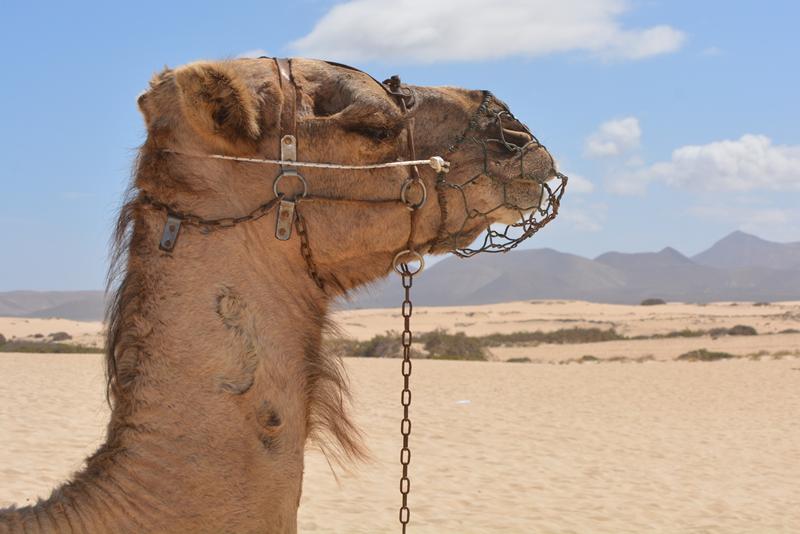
517	172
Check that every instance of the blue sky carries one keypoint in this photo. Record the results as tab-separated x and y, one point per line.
679	117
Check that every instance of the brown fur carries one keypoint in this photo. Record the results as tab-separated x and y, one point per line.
217	375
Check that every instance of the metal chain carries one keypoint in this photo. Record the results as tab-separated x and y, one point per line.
405	398
305	250
213	224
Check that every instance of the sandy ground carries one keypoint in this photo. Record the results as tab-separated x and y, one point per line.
549	315
762	346
541	315
86	333
668	447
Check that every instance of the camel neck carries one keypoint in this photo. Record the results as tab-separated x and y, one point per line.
216	366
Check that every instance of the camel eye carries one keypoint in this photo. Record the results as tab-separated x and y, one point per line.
376	134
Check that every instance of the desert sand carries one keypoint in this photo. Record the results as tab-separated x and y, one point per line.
508	317
660	446
86	333
666	447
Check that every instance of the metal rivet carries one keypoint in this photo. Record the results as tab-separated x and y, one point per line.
281	231
167	243
287	140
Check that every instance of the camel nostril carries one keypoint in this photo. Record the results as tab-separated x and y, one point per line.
517	137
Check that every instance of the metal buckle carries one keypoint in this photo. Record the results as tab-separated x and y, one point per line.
415	256
285	220
404	194
170	233
294	173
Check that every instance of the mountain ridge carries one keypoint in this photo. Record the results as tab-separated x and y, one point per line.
739	266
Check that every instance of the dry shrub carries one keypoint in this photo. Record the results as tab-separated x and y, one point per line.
59	336
703	355
742	330
560	337
441	345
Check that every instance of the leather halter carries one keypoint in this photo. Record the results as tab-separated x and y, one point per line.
288	215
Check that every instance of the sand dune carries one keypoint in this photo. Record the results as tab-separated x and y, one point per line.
661	446
87	333
670	447
507	317
548	315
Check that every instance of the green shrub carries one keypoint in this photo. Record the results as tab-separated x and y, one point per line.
652	302
59	336
703	355
386	345
742	330
738	330
39	346
444	346
522	359
718	331
561	337
686	332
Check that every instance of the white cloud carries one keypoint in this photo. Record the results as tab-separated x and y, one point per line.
749	163
773	223
614	138
584	218
467	30
255	53
578	184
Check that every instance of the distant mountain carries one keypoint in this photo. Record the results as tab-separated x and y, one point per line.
78	305
669	271
737	267
739	250
487	278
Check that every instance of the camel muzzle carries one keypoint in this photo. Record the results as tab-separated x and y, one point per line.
519	167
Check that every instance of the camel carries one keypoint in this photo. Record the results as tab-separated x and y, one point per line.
217	378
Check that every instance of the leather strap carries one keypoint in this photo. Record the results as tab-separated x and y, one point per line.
289	109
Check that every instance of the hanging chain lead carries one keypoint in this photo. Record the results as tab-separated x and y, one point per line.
405	398
305	250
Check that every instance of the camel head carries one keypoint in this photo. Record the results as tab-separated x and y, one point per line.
354	219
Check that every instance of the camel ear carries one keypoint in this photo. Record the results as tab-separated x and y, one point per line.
217	102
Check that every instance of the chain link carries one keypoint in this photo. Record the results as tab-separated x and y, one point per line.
305	250
405	397
209	225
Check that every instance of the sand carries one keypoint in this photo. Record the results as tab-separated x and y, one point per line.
549	315
541	315
668	447
86	333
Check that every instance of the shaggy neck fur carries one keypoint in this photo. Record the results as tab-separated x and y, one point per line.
216	381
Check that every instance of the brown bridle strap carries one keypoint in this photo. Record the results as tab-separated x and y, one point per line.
289	109
400	263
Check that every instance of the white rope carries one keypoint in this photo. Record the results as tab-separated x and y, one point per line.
437	163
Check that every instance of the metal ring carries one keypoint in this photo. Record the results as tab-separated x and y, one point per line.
404	194
417	257
290	173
